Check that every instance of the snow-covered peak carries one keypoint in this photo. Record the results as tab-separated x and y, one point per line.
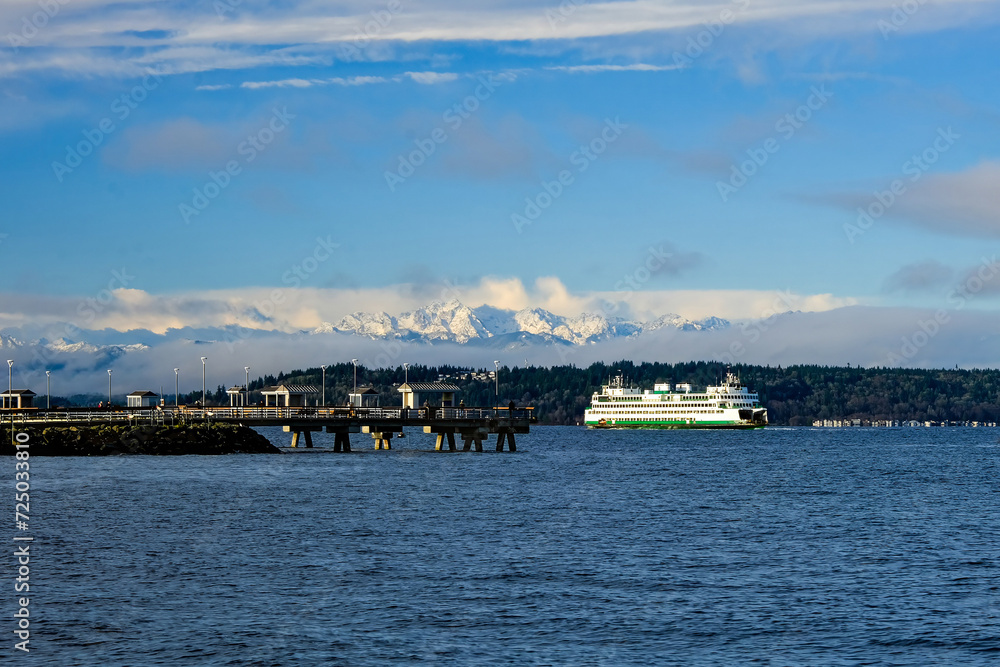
373	325
10	342
454	321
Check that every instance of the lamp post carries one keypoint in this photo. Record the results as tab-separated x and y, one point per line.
246	387
496	378
48	390
177	383
109	388
204	403
323	385
355	362
10	396
406	373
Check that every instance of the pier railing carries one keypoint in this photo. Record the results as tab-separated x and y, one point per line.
248	415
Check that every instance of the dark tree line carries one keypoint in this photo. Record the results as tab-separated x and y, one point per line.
794	395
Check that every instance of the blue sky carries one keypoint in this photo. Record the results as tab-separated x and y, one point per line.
164	95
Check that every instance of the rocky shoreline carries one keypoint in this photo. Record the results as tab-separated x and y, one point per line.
198	439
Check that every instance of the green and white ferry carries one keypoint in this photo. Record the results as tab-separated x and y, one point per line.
729	405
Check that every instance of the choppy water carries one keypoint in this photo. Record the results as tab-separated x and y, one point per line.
776	547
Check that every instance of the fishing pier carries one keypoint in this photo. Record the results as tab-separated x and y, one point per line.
473	426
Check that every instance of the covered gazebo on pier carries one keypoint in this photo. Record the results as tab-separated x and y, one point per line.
436	394
289	395
17	399
237	396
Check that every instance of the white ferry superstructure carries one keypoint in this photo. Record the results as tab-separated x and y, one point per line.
728	405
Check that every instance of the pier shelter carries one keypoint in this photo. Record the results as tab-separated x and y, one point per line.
237	396
17	398
289	395
436	394
141	399
363	397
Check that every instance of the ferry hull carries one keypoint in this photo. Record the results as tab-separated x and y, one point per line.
659	427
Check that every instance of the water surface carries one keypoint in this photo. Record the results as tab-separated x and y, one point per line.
774	547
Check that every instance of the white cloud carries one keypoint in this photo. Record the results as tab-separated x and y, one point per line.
432	77
306	83
284	83
594	69
187	39
357	80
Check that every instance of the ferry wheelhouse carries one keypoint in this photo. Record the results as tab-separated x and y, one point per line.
728	405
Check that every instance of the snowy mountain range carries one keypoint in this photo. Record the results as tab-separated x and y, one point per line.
62	345
456	322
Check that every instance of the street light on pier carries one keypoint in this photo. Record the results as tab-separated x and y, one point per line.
406	373
203	401
109	389
496	378
323	385
246	387
48	390
355	362
10	396
177	383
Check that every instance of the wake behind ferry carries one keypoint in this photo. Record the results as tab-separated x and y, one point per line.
729	405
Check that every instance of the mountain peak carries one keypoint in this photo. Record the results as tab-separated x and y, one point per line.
453	321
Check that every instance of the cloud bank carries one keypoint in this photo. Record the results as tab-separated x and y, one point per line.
864	336
294	309
78	36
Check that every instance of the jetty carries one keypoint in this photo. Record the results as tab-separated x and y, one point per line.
447	424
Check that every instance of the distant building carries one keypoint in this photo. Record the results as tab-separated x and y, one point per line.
363	397
289	395
142	399
436	394
17	398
